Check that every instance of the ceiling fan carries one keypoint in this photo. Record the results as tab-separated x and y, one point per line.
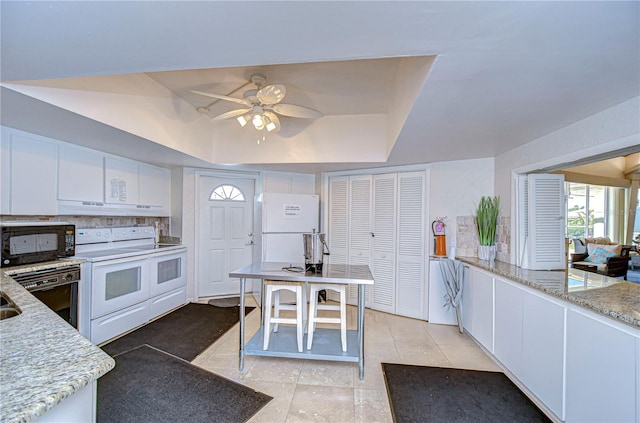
262	106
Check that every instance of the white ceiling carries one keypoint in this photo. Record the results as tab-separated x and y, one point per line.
504	73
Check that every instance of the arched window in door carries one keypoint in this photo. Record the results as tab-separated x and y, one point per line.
226	193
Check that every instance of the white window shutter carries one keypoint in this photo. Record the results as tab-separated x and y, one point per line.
546	222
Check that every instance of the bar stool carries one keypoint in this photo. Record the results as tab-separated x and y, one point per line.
272	296
314	288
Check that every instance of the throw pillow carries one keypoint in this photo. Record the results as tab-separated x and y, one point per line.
599	256
615	248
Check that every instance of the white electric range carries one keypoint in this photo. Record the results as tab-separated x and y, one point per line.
127	279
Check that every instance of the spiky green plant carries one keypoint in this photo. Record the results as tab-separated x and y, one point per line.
487	219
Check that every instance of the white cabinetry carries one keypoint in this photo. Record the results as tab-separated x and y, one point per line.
529	340
477	306
120	181
32	174
134	183
602	371
80	174
154	186
289	183
378	220
581	366
5	174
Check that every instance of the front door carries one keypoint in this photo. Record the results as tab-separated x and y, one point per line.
225	233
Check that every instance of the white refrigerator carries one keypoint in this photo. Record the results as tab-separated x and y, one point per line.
284	218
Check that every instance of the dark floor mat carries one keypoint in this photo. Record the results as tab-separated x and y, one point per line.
185	332
148	385
434	394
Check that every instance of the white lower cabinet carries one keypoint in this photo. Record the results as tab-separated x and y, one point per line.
602	371
477	306
79	407
543	349
581	366
508	326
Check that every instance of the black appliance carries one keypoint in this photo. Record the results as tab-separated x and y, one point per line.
56	288
36	242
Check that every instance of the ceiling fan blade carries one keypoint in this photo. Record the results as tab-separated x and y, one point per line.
231	114
271	94
224	97
296	111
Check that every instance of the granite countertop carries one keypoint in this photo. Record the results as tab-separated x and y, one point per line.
611	297
43	359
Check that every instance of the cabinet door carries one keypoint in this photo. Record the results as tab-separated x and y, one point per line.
359	226
542	349
410	258
154	186
121	181
478	307
33	176
601	371
80	174
383	241
338	217
508	326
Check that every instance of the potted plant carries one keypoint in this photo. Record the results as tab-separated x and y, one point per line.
486	222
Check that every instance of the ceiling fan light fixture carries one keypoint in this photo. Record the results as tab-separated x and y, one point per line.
243	119
258	121
270	124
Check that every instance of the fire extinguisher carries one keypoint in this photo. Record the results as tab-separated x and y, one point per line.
439	238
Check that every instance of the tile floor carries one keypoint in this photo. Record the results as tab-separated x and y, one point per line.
324	391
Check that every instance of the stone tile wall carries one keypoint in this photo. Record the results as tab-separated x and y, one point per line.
98	221
467	237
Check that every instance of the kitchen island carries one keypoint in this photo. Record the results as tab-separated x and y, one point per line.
326	341
47	368
569	339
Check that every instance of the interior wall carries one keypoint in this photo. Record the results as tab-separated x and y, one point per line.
455	189
613	129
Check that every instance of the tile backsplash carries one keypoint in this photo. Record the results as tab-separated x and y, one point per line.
467	237
98	221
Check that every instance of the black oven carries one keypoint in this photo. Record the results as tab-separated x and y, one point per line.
35	242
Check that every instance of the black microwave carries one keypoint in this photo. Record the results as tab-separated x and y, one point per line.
25	243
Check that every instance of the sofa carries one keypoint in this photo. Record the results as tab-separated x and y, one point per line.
601	255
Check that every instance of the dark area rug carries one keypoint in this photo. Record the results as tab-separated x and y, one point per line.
148	385
185	332
434	394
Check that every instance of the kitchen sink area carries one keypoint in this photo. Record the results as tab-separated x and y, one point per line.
8	308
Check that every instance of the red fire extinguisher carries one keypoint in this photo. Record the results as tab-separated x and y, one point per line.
439	238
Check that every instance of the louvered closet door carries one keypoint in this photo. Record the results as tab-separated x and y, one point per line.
410	263
384	242
359	227
546	221
338	231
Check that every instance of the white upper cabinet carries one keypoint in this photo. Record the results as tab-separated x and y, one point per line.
134	183
80	174
32	175
289	183
120	181
154	186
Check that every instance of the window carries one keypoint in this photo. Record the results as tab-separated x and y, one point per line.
586	210
595	211
227	192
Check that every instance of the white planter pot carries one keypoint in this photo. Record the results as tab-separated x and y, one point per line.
487	252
